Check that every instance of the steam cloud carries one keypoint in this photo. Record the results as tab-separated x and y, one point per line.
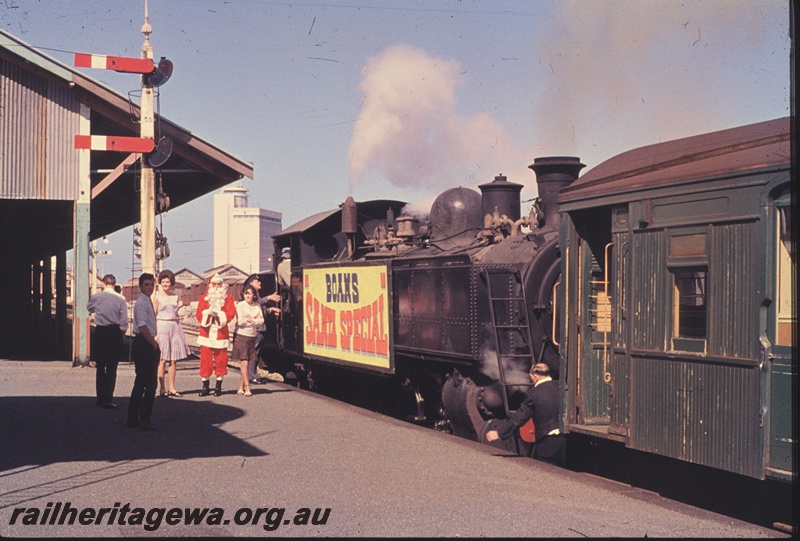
612	76
409	130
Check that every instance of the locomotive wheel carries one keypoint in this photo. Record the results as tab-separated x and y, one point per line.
460	398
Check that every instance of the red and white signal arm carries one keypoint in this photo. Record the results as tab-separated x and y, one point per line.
112	143
116	63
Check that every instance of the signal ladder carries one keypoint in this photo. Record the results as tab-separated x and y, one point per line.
136	270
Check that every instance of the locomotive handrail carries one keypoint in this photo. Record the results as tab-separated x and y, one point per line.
555	318
567	321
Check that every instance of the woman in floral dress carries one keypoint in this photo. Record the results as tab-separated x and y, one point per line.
171	338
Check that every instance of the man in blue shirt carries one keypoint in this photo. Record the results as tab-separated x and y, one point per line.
146	355
111	321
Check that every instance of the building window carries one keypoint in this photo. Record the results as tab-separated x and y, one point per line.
691	307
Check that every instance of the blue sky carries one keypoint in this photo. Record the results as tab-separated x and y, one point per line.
402	99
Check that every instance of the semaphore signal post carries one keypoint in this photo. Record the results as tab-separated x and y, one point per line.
145	143
151	76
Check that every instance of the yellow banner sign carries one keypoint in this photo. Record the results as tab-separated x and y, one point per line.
347	314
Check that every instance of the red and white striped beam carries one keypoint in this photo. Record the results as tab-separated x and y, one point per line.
118	144
116	63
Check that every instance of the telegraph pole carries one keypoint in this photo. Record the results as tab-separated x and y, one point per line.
147	207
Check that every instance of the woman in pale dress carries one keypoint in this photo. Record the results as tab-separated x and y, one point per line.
171	338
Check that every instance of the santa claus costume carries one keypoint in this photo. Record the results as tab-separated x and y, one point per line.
214	311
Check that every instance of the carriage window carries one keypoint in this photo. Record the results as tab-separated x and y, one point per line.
688	263
785	285
687	246
691	308
786	230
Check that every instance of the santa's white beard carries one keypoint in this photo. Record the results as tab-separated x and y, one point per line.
216	297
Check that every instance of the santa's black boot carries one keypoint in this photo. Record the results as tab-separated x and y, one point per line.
218	388
205	391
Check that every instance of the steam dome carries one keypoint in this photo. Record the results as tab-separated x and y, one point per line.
456	217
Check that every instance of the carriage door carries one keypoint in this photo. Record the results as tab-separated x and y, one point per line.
594	329
781	328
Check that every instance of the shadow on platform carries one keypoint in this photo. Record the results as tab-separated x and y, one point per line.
41	430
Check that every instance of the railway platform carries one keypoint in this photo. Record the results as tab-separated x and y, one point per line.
286	462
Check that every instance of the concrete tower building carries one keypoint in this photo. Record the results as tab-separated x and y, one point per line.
243	235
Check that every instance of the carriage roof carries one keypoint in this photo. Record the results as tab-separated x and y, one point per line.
736	150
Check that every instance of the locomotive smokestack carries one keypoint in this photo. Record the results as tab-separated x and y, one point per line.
350	223
502	195
552	174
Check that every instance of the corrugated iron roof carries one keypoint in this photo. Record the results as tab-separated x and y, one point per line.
195	168
743	148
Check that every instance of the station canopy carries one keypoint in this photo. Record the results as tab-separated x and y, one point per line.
40	162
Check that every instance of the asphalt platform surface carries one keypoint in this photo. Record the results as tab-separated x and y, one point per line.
286	462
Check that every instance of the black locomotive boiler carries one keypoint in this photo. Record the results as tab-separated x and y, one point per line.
453	308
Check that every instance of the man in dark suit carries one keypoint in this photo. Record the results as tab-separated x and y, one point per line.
541	403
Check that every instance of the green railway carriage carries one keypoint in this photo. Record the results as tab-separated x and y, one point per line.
677	291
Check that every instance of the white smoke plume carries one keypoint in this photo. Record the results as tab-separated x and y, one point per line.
421	208
410	132
612	76
515	371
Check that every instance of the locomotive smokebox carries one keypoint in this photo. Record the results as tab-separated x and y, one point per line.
553	174
502	195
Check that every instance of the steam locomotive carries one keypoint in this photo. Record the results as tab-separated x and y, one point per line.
655	287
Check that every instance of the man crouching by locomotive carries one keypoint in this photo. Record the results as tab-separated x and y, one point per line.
214	311
541	404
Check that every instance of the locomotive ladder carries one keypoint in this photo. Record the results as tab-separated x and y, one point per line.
515	324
